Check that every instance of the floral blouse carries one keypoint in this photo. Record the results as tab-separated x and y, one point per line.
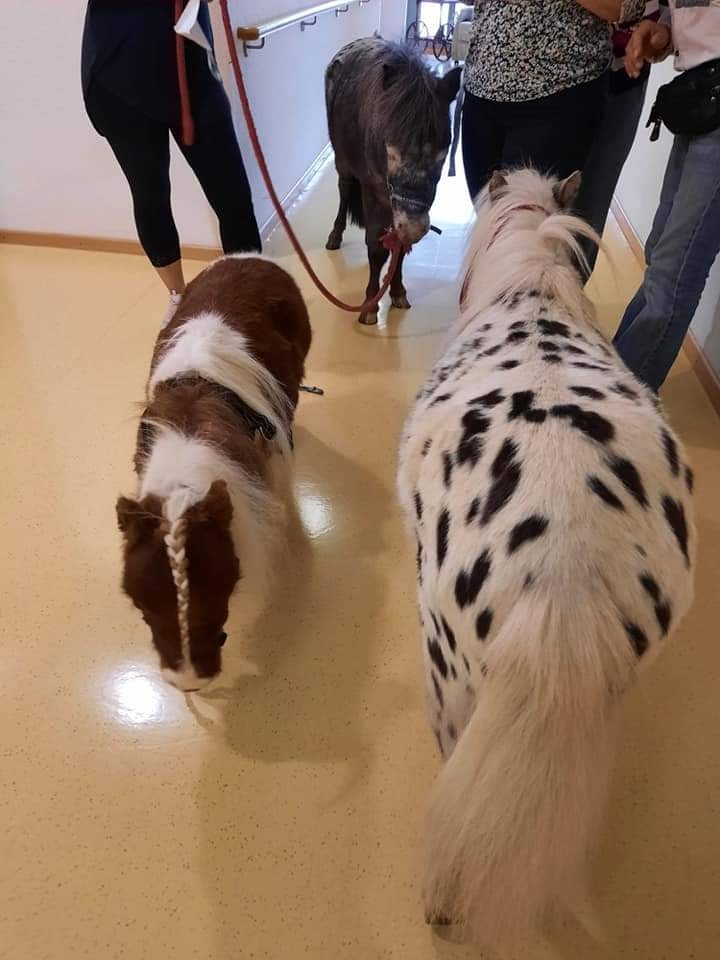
525	49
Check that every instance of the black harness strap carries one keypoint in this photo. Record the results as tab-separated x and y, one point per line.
254	421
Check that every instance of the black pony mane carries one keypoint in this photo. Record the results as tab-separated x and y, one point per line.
403	98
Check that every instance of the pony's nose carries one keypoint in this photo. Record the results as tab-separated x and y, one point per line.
222	637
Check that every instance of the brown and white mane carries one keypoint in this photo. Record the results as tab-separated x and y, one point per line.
213	459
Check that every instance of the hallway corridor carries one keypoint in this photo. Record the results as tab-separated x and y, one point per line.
279	815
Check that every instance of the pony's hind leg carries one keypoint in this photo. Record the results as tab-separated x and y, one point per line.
334	241
398	293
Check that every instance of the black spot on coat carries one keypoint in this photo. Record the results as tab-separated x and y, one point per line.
491	399
483	623
449	634
491	351
605	493
443	528
521	403
583	365
552	328
638	638
628	475
529	529
663	615
590	392
447	469
436	655
473	510
587	421
689	479
438	690
469	584
624	391
671	453
650	586
506	474
509	365
418	505
675	516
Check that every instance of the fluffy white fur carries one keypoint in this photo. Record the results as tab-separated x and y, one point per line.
525	714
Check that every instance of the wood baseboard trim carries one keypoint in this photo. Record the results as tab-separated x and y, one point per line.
628	231
68	241
698	361
702	369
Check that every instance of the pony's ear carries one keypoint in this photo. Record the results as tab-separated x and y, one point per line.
136	521
449	85
566	191
498	182
216	506
389	75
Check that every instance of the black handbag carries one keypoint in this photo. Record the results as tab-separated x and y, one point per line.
690	104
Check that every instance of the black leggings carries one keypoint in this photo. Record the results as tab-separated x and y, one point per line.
142	148
553	134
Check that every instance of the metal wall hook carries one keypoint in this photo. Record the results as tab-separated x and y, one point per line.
339	10
308	23
253	46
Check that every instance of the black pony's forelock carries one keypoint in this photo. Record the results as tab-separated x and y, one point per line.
404	94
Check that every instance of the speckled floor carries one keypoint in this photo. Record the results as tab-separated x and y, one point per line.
280	815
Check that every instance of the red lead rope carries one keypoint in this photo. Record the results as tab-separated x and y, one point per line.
390	240
188	125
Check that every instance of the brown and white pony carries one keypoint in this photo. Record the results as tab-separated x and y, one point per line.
213	460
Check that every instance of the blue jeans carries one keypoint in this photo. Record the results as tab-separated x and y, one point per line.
681	249
610	150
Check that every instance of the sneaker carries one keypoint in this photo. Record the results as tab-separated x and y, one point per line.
173	304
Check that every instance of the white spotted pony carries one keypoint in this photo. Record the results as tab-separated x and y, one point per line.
551	506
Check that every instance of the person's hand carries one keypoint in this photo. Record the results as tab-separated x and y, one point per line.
648	42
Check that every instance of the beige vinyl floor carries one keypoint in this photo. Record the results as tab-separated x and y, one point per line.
279	815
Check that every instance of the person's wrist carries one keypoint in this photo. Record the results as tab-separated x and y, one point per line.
666	49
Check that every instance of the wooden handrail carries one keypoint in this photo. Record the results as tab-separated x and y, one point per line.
249	34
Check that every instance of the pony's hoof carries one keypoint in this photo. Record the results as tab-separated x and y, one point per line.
334	242
437	920
368	319
401	302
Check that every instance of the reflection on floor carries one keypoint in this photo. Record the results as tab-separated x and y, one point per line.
281	817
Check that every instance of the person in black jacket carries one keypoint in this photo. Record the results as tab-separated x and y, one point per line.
130	82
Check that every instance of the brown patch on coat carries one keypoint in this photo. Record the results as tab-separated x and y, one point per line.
213	568
260	300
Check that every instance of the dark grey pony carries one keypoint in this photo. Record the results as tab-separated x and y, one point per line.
389	123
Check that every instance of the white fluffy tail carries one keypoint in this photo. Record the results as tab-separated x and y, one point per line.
519	804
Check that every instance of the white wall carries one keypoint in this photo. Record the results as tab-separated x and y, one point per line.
57	175
639	191
393	19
